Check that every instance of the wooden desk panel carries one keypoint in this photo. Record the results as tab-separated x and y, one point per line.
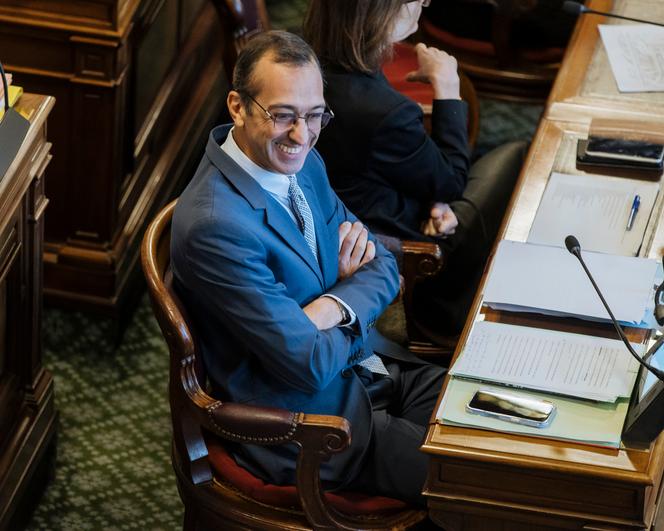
27	407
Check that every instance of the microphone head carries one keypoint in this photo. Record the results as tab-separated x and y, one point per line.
573	8
573	245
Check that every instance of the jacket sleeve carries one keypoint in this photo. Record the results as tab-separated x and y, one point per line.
427	168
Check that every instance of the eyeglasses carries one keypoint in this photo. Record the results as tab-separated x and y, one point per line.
284	120
425	3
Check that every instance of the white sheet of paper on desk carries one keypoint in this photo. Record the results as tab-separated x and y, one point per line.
594	208
545	360
549	280
636	56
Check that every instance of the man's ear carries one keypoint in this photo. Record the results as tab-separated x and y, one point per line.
236	108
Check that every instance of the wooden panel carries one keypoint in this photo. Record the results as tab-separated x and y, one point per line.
123	95
27	410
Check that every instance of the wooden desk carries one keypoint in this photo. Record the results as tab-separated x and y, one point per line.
481	480
27	409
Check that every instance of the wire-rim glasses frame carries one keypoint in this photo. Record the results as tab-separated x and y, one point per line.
283	120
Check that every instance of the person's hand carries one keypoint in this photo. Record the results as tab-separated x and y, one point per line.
355	249
442	221
324	312
438	68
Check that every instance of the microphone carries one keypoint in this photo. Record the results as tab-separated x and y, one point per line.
576	8
574	247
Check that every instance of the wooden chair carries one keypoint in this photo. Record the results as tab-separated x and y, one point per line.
217	493
498	66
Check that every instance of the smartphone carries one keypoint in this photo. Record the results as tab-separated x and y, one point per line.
512	407
627	150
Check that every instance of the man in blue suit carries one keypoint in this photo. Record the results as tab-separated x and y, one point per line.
284	284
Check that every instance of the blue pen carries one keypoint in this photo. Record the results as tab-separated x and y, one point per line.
632	213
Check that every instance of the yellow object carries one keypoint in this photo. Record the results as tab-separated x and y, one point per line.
14	95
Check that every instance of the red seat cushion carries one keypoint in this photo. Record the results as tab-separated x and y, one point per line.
228	470
404	61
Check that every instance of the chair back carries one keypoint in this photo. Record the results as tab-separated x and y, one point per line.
186	368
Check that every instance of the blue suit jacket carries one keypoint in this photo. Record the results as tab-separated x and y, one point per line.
244	272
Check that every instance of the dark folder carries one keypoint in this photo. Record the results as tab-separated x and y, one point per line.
13	129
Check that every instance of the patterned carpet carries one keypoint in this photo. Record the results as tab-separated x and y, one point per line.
113	468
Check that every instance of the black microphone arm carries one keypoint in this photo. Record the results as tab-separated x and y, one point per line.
574	248
576	8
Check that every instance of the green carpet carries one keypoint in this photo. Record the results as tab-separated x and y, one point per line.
113	468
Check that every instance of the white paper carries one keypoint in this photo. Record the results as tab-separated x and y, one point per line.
549	280
594	208
636	56
544	360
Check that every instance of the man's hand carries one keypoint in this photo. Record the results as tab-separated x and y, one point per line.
442	221
438	68
355	249
324	312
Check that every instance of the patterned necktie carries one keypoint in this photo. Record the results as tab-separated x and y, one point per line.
302	213
375	365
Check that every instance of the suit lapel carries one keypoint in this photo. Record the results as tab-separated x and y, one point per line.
276	217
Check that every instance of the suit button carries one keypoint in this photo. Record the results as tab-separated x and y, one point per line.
346	373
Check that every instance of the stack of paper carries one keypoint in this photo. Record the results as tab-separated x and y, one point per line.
550	281
594	208
635	53
544	360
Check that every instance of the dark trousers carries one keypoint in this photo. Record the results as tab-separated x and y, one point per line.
394	465
442	302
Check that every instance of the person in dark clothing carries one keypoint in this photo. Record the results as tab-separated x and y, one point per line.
398	179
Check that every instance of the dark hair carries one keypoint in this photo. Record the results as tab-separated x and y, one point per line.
283	47
351	34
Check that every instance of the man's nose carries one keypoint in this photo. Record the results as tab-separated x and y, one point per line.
299	132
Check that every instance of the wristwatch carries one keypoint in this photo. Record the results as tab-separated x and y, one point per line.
345	314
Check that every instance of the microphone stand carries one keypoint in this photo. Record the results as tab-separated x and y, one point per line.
574	248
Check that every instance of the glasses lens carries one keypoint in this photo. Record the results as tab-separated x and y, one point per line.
325	119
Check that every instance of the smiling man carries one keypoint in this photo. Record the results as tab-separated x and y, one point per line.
284	285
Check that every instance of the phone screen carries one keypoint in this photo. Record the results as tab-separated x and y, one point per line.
511	407
637	150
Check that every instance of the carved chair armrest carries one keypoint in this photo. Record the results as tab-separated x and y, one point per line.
318	437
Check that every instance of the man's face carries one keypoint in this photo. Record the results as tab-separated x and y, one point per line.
280	88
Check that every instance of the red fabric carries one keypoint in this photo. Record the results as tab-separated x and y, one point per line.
404	61
286	496
486	48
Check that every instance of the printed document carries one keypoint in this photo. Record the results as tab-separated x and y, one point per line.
562	363
549	280
636	56
594	208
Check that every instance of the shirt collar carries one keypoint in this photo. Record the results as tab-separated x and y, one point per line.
275	183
